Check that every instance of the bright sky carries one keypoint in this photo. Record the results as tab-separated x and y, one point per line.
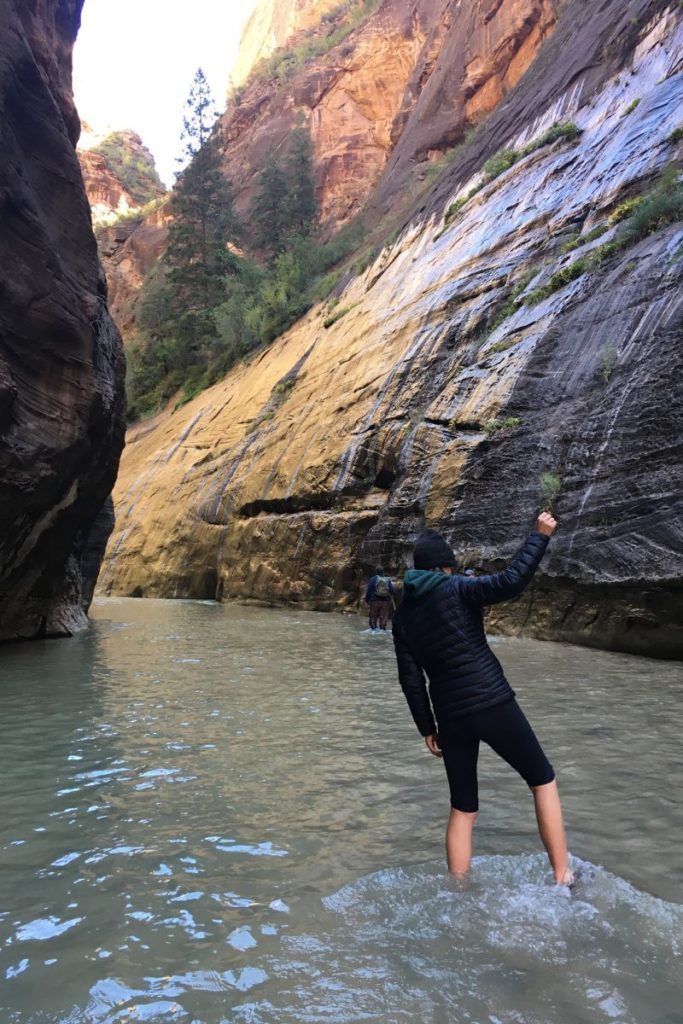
134	62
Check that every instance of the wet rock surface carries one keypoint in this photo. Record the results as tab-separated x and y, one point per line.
61	363
432	401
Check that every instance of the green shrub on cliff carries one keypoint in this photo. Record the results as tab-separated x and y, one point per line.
333	29
550	486
508	423
505	158
631	107
500	162
132	167
641	215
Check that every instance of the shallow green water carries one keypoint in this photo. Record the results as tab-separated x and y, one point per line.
214	813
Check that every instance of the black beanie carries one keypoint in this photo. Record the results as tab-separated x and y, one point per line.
431	551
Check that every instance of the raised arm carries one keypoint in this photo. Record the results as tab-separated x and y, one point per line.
502	586
414	685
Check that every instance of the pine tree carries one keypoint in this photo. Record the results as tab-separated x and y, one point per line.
198	258
270	213
302	206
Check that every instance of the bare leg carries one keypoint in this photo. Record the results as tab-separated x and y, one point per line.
459	841
551	828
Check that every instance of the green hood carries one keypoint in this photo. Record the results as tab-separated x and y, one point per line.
418	582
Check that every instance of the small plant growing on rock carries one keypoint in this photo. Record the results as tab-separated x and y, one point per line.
284	386
608	362
500	162
453	209
631	107
501	346
624	210
675	136
338	315
550	486
566	130
508	423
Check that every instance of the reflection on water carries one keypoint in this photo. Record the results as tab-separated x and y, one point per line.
213	813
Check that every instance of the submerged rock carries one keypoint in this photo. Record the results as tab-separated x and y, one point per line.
61	362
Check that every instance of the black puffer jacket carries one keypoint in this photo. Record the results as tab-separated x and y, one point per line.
439	630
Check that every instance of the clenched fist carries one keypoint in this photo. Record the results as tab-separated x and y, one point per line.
545	524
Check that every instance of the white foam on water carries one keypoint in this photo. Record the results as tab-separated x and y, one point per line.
408	944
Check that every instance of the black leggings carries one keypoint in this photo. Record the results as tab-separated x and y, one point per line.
506	730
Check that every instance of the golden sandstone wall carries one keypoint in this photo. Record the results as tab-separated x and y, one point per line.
432	401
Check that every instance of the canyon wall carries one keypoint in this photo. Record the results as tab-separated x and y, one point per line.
404	86
119	173
442	388
401	88
271	25
130	249
61	361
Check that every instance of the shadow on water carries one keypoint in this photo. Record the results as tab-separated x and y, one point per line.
194	796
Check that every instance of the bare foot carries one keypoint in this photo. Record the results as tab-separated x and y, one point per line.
565	878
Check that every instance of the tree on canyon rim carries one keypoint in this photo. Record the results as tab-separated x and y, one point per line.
303	212
205	306
283	209
198	258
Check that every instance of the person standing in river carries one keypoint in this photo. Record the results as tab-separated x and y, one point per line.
379	596
438	630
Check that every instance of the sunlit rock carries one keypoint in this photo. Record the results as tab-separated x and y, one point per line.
435	399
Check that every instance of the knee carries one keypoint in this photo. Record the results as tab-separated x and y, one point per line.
544	787
466	817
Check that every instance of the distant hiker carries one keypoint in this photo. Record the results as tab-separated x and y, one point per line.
379	596
438	630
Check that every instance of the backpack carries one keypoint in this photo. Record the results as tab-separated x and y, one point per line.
381	586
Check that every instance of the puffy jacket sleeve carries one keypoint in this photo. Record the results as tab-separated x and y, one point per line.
501	586
413	684
370	592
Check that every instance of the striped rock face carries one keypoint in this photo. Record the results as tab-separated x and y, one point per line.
61	362
474	372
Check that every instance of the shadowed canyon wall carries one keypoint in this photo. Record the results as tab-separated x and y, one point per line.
435	399
61	361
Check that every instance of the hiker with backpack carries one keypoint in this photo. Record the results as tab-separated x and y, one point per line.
379	596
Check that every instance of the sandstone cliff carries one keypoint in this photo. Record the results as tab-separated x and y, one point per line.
403	86
61	363
441	395
272	24
130	249
131	220
119	173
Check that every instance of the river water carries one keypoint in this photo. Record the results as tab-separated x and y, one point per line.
221	814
